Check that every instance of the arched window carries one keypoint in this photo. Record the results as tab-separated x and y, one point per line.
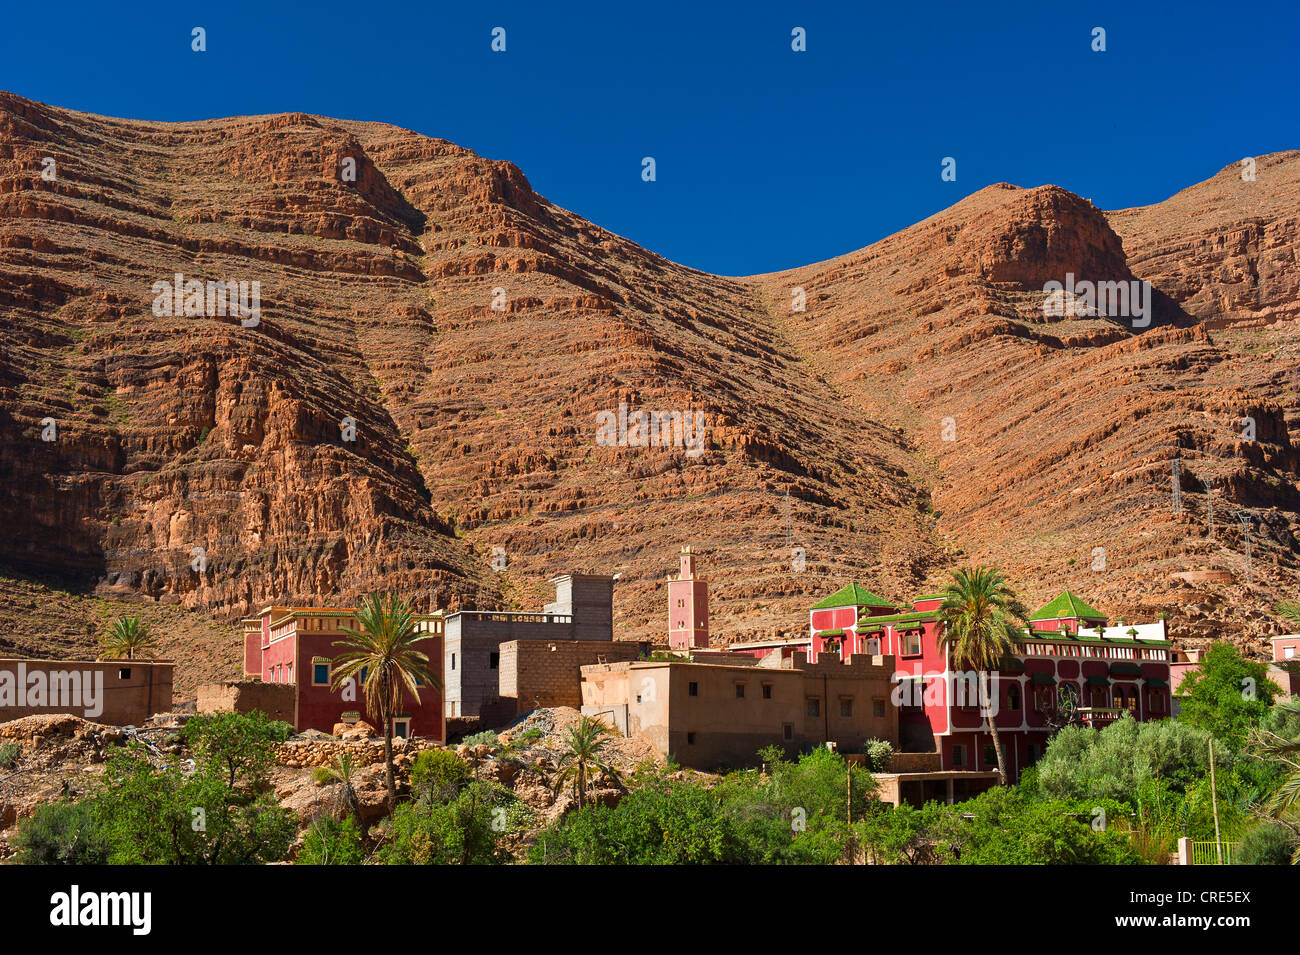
1013	698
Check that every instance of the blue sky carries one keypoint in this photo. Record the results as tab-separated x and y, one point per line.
766	158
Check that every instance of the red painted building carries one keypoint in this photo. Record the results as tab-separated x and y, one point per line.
297	645
1069	652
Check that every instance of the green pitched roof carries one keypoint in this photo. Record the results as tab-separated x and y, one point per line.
1065	606
854	595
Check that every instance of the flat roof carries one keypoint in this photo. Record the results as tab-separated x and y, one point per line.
122	662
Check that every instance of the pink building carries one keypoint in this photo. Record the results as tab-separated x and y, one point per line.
688	607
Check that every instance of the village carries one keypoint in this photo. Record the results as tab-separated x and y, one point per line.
874	682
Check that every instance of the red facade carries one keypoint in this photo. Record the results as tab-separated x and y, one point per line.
297	645
1106	672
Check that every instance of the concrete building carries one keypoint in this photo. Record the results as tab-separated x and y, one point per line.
711	715
118	692
583	610
297	646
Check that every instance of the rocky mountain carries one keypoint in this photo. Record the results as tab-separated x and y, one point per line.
427	387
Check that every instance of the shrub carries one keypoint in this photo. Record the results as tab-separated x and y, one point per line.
331	842
439	775
1266	844
487	736
9	753
460	832
62	833
880	752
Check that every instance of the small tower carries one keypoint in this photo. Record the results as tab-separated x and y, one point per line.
688	607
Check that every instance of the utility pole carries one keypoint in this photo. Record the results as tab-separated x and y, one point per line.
1209	503
1244	518
1214	803
1178	501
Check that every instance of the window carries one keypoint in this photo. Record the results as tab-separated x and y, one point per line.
681	624
681	603
494	660
1157	702
320	674
878	708
1288	652
289	672
846	706
402	727
1013	698
453	661
692	689
990	756
124	673
1033	754
787	731
767	691
911	644
958	754
814	706
740	691
690	739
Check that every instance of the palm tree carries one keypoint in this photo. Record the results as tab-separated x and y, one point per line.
584	744
382	655
343	772
982	620
126	639
1284	805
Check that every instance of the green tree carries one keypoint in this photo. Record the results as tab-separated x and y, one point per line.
1226	694
584	746
982	620
242	744
167	816
383	656
127	639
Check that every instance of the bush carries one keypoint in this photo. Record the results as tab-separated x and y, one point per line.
879	754
460	832
1266	844
331	842
1117	762
9	753
439	775
487	736
62	833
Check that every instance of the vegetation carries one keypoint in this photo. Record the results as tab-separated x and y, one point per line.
1227	694
982	617
332	841
127	639
383	658
584	744
150	811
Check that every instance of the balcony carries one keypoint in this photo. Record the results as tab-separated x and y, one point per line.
1099	716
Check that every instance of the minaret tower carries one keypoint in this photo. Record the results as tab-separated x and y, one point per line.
688	607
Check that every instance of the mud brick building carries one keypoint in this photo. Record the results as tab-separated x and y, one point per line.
118	692
712	715
297	646
583	611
